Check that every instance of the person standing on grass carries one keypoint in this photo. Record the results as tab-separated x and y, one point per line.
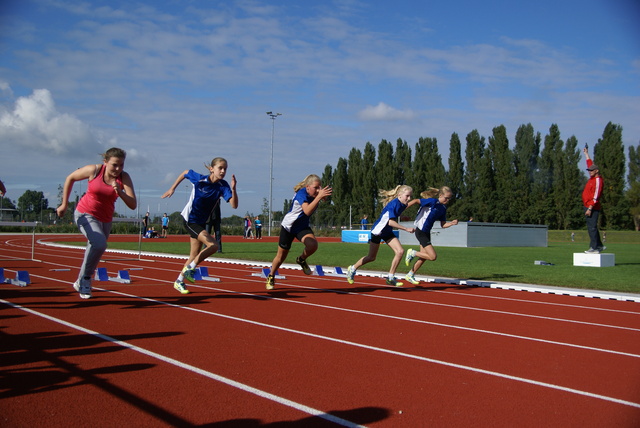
165	225
145	223
258	224
295	225
591	196
205	194
94	213
396	202
432	209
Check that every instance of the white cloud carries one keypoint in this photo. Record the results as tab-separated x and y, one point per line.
35	124
384	112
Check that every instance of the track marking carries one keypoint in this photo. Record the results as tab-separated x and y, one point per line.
263	394
447	305
483	296
413	320
391	352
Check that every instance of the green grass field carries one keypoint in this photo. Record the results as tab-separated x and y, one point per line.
504	264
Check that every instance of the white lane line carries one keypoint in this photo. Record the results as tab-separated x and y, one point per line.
222	379
494	311
491	332
437	324
396	353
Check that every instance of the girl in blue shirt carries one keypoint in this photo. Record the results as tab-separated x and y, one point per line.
382	230
431	210
295	225
205	194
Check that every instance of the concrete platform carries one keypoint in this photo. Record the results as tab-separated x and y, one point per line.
594	260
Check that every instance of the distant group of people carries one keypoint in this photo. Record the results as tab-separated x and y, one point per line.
248	228
108	182
150	232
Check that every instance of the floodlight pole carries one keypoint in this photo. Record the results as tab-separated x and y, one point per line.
273	117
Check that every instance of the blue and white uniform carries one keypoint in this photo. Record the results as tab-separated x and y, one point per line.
381	227
431	210
204	197
296	220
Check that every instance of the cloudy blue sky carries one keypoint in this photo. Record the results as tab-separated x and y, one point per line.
176	83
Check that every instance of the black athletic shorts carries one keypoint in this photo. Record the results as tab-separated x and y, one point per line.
286	237
386	237
194	229
424	238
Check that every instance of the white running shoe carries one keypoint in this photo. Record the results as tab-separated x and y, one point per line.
412	279
411	253
83	287
351	273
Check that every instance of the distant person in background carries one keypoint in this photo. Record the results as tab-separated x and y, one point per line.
145	224
165	225
258	224
94	211
205	194
573	236
214	224
433	207
247	227
364	223
470	219
591	196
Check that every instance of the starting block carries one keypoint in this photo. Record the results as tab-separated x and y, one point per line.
319	271
22	278
203	273
102	275
264	272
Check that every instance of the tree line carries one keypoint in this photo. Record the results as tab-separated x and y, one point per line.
538	181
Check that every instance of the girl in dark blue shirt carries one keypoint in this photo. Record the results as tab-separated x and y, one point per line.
205	194
382	230
432	209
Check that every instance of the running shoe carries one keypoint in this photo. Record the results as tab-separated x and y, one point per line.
394	282
83	287
181	287
271	282
305	267
412	279
189	274
351	273
411	253
592	251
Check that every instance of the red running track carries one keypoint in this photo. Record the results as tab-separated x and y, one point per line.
315	351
